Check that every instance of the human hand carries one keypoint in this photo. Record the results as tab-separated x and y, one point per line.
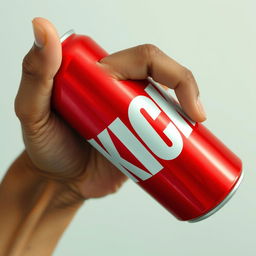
54	149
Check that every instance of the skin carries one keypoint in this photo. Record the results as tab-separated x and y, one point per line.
58	170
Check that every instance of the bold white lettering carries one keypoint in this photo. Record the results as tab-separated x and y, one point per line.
170	108
148	134
133	145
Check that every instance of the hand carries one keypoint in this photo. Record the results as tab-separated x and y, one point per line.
52	147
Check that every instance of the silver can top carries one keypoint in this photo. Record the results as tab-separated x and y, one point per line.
66	35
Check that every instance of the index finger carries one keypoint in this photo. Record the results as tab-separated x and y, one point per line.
145	60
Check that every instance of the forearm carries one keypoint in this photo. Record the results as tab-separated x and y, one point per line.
34	211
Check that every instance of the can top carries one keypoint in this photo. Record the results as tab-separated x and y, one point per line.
66	35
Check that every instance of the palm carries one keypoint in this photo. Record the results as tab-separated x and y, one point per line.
101	177
61	151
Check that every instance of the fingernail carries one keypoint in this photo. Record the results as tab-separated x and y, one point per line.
201	107
39	34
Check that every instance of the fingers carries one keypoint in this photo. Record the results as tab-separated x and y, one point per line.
32	103
148	60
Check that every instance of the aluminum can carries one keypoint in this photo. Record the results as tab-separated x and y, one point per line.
142	130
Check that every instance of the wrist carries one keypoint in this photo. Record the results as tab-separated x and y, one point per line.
65	193
33	209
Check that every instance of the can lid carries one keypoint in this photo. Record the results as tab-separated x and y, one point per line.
220	205
66	35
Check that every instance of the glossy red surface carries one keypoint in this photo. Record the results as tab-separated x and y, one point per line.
89	99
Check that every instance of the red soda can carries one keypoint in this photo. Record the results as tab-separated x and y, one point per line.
141	129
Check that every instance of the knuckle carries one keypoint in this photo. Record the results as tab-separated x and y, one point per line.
187	75
149	51
28	68
17	109
20	112
22	116
25	116
114	189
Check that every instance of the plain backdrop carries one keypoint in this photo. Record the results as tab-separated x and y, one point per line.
217	41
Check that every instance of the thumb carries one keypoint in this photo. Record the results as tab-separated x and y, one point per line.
32	103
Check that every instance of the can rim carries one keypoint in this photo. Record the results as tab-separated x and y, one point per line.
222	203
66	35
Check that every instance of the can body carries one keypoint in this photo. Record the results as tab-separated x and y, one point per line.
142	130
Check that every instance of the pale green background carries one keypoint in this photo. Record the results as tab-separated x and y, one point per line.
217	41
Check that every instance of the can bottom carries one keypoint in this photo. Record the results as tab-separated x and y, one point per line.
222	203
